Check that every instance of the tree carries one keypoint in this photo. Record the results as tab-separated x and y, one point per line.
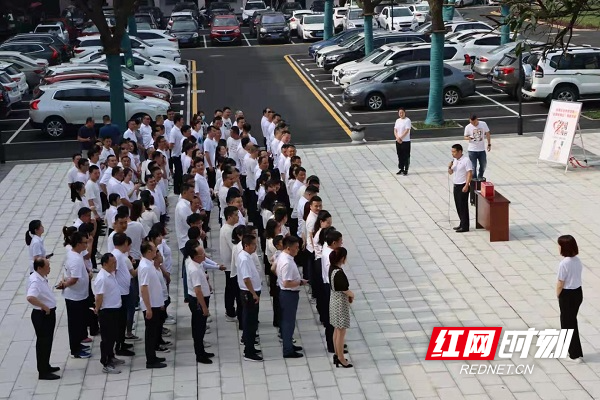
368	7
112	39
435	112
328	28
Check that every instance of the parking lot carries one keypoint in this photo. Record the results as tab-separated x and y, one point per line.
23	142
500	110
247	41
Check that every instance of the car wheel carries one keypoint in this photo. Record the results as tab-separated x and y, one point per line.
55	127
451	96
375	101
169	76
565	93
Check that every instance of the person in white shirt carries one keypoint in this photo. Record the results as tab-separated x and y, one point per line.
92	192
175	140
183	210
229	178
461	170
124	273
223	131
402	135
250	284
227	123
115	185
82	170
119	226
75	285
210	154
108	305
111	162
72	173
169	124
231	219
157	194
265	121
146	131
151	302
33	239
313	269
115	201
43	316
233	145
276	146
333	241
289	282
271	128
203	191
107	150
131	132
474	134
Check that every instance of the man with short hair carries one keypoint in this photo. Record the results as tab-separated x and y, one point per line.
461	170
107	149
231	219
227	123
402	135
86	135
175	143
82	170
264	124
183	210
124	273
115	185
289	281
146	132
475	133
110	130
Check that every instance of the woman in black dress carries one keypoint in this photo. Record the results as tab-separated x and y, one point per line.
339	304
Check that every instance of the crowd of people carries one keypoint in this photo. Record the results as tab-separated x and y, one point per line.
273	235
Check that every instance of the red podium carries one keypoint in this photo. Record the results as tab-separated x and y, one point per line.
492	214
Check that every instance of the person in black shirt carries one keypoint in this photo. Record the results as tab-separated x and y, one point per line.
110	130
87	134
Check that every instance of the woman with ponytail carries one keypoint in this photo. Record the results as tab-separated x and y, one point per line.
33	239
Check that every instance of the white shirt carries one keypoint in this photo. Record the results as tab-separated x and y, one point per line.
275	149
75	268
294	194
242	155
227	123
146	131
92	192
114	186
196	276
460	168
106	175
186	162
210	147
148	276
122	274
223	190
203	191
287	270
298	208
310	225
136	231
167	255
251	164
235	252
270	132
129	189
39	288
106	284
400	126
281	166
247	269
110	246
569	271
72	175
130	135
105	153
159	200
168	124
111	213
226	245
36	249
325	262
82	177
264	123
477	135
175	138
233	145
183	209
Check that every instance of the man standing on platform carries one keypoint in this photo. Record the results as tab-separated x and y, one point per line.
474	133
462	171
402	135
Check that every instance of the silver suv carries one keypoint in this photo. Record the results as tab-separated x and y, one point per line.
59	105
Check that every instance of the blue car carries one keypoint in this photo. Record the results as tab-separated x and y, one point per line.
336	39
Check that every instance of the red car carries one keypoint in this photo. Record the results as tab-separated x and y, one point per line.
225	29
161	94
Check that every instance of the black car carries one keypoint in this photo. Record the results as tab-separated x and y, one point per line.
272	26
211	11
288	9
186	32
254	20
65	50
188	6
157	13
318	6
34	50
357	50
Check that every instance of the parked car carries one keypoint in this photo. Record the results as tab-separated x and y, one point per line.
94	42
407	82
16	76
32	68
188	6
57	106
354	18
253	21
394	54
318	6
457	25
12	87
566	75
158	37
64	49
156	13
144	91
181	16
145	21
420	11
272	26
462	3
217	8
397	19
55	28
338	18
288	8
250	8
74	14
485	62
505	75
186	33
34	50
321	53
295	19
479	42
4	103
311	27
225	29
339	39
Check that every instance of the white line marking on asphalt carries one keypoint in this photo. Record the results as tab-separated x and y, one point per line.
357	123
199	72
304	59
313	75
181	103
307	69
204	38
330	95
497	103
178	94
246	39
302	64
339	104
314	69
348	114
17	131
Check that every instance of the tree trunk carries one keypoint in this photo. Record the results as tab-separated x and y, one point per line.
448	11
435	113
117	98
505	36
328	33
368	33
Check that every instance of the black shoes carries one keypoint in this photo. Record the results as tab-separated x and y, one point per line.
126	346
204	360
53	369
399	172
156	365
293	355
160	359
48	377
297	348
208	355
253	357
456	228
461	230
125	353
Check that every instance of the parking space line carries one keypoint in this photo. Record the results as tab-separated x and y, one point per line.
348	114
193	105
17	131
204	38
246	39
305	59
391	122
497	103
319	95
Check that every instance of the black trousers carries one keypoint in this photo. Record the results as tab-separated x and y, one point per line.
461	200
109	332
44	325
250	321
198	325
317	286
122	320
91	317
325	296
76	323
403	152
250	199
177	175
274	293
152	335
231	295
569	302
293	225
211	177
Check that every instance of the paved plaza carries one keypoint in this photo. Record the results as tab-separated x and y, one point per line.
409	270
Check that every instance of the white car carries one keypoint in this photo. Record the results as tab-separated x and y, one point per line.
14	95
354	19
338	17
143	48
397	19
55	28
58	105
186	15
176	73
250	8
477	43
16	76
420	11
311	26
295	19
158	37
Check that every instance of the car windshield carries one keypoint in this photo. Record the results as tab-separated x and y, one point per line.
143	25
422	8
11	70
384	73
217	6
355	14
255	6
376	53
354	40
184	25
273	19
402	12
91	29
292	6
381	57
314	19
96	56
225	22
358	44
